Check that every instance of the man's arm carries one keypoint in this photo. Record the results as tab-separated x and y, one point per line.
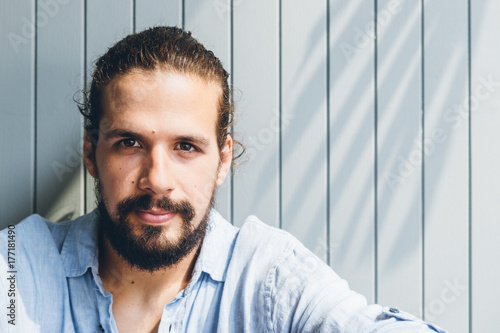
308	296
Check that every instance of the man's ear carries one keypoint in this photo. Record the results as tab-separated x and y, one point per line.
88	154
226	160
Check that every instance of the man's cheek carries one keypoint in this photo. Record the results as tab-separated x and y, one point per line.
111	196
203	194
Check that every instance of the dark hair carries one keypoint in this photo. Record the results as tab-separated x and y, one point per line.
164	48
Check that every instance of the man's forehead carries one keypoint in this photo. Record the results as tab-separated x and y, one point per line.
137	85
129	87
131	101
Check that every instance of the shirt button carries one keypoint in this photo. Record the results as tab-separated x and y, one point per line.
393	310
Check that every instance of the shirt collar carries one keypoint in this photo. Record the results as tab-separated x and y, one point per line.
80	250
217	248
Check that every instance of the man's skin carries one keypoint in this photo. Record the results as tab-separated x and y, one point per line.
159	139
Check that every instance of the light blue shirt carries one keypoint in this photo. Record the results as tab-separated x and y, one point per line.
254	279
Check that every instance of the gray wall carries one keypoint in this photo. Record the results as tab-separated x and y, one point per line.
371	129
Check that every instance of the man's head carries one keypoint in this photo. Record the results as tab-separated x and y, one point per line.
157	140
169	49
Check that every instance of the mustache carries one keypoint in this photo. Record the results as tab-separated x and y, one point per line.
146	202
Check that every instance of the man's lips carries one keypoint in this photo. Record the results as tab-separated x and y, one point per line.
155	216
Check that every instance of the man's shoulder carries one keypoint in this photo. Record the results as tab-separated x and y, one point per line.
31	223
34	262
262	237
247	252
32	232
264	249
35	245
273	267
278	256
39	233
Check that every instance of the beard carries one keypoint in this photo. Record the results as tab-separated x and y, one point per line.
147	247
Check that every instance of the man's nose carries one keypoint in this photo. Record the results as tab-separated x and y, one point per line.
157	177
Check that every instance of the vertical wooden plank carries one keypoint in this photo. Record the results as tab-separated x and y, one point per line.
352	144
102	33
304	147
399	154
210	23
150	13
256	56
446	174
17	111
59	174
485	143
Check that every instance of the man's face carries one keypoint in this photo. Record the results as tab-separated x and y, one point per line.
157	164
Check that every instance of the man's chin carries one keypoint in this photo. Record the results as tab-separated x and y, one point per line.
152	247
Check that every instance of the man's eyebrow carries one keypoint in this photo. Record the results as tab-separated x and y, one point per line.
199	140
121	133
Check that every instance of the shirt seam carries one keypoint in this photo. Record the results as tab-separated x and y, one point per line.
268	291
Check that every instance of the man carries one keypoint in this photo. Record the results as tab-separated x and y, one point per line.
154	256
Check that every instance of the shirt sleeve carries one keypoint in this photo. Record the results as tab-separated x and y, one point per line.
308	296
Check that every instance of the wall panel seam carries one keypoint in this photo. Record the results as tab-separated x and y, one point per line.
134	16
231	48
422	171
469	92
35	109
375	109
328	249
85	176
280	107
183	14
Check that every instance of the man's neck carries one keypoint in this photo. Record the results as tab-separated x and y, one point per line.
139	297
119	278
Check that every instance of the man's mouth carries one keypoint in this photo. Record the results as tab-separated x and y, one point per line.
155	216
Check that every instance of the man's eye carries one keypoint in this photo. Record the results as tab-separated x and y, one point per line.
184	146
129	143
